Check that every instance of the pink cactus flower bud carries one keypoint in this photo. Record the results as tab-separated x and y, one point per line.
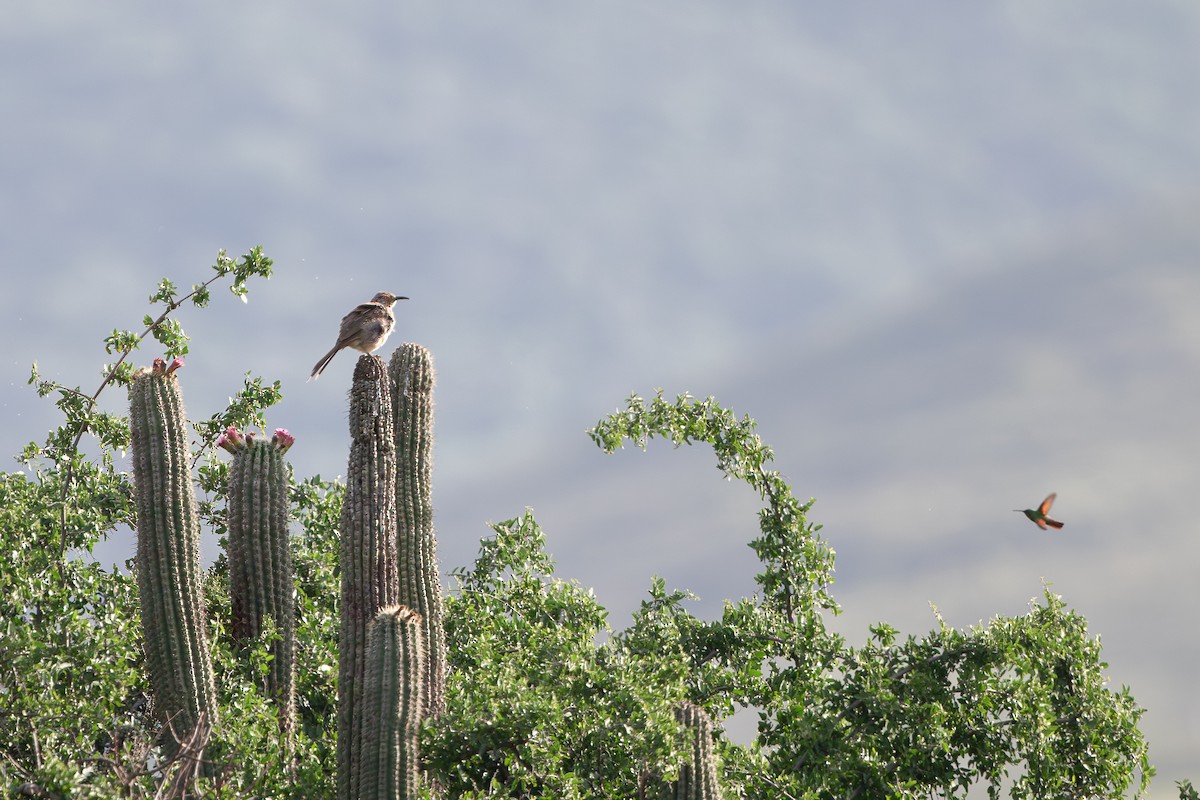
175	364
231	440
282	440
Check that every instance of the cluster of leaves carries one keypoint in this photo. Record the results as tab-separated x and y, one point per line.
544	699
535	707
71	682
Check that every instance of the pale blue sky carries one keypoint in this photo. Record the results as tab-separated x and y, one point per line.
945	254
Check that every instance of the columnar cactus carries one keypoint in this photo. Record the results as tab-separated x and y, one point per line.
698	777
368	552
413	378
392	705
260	556
168	554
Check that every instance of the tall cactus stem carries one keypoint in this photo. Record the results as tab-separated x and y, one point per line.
392	705
697	777
261	581
413	379
368	551
178	663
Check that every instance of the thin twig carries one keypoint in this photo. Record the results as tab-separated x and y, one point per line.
783	793
33	790
187	761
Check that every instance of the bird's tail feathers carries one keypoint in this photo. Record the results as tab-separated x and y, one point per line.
323	363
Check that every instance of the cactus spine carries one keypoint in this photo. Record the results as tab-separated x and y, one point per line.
392	704
168	554
368	552
698	777
413	379
260	557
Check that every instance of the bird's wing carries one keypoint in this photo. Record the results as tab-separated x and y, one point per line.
1044	508
359	310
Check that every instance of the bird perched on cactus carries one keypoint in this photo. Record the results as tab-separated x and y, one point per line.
1038	515
365	328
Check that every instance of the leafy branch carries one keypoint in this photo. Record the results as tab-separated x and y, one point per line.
79	407
937	714
799	565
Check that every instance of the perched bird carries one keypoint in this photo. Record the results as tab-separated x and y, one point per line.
365	328
1038	515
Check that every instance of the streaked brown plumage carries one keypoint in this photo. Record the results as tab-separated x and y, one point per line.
365	328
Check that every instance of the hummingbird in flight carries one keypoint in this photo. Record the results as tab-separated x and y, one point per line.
1038	515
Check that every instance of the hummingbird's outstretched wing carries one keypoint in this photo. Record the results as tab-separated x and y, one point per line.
1044	508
